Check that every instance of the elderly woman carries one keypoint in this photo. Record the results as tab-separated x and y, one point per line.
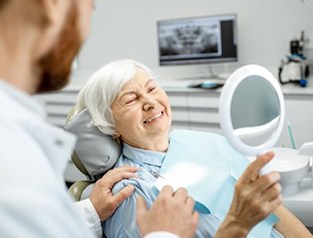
125	101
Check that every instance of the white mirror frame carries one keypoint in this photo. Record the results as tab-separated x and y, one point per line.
225	109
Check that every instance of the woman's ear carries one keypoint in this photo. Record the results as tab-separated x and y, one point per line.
117	136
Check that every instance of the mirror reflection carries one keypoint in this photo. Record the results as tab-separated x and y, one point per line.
255	110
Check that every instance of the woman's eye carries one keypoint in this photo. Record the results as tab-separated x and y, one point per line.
130	100
151	89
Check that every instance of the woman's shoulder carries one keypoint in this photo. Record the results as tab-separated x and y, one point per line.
142	188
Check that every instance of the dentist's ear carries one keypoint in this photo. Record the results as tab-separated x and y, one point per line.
49	17
54	11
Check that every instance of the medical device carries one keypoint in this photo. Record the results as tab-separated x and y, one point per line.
205	39
295	69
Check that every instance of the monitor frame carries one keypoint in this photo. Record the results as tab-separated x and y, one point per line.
218	54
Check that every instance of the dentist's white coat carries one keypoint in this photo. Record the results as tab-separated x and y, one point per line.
34	201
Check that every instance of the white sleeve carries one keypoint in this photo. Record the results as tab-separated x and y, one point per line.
161	234
91	216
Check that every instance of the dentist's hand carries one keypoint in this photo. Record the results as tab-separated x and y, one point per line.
254	199
101	196
171	212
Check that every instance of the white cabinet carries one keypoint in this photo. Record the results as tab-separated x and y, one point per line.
58	105
200	107
299	112
197	109
179	105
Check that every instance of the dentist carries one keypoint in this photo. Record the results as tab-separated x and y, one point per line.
38	41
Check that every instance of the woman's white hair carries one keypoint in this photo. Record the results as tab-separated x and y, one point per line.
102	88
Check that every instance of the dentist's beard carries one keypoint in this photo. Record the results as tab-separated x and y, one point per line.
55	66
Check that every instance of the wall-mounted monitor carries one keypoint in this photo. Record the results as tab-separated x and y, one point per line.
205	39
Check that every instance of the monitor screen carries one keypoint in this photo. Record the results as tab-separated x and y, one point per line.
206	39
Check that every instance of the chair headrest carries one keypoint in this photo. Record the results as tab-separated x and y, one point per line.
98	152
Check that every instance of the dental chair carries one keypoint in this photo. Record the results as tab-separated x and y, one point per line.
94	154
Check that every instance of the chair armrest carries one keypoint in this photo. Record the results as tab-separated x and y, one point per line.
77	189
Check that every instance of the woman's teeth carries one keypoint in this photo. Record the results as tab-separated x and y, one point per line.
154	117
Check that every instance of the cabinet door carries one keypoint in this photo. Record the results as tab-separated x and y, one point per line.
203	111
58	105
178	101
299	112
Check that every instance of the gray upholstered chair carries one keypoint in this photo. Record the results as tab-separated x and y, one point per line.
94	154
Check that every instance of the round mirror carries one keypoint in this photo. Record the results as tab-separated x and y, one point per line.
252	110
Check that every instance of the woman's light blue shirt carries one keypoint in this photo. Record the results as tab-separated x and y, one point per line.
123	222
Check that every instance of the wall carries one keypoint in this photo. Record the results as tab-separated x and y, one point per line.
127	29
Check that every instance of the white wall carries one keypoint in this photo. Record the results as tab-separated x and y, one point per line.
127	29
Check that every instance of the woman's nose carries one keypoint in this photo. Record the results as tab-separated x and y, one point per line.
148	103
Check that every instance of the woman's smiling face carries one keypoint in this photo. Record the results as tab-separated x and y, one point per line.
142	112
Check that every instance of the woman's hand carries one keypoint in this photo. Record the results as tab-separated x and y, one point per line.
255	197
101	196
171	212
